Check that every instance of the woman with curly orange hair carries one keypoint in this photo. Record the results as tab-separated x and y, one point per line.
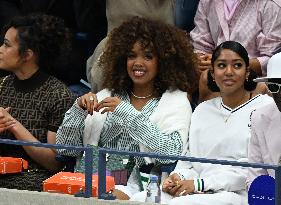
149	72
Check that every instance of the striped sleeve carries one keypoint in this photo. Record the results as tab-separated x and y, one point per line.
71	130
144	131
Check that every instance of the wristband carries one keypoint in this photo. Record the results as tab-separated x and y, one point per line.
198	185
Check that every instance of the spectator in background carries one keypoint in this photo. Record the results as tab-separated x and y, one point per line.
185	12
148	68
32	103
86	20
255	24
219	130
118	11
265	141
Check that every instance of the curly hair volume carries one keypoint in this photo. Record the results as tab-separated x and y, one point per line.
45	35
176	60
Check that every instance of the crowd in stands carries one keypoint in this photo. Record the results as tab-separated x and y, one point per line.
199	78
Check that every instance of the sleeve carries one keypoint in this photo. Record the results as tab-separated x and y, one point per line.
254	154
201	34
145	132
61	102
185	169
269	39
226	178
71	130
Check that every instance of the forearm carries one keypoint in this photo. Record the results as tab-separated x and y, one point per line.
145	132
43	156
255	65
71	130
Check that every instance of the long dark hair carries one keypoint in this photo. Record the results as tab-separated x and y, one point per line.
236	47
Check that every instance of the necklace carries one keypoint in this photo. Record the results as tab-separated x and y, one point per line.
141	97
2	83
233	110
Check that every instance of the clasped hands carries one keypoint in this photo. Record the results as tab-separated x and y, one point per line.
174	186
6	120
90	103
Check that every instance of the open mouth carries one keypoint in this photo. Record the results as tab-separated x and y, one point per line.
139	72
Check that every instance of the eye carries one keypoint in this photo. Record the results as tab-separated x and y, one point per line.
237	65
221	65
6	43
131	56
148	56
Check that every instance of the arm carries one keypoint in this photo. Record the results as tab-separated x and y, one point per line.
145	132
43	156
201	34
269	39
71	130
254	154
255	65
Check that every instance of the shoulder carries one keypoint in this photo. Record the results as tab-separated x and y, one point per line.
208	105
58	89
174	98
262	114
262	99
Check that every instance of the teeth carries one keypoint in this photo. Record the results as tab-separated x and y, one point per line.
139	73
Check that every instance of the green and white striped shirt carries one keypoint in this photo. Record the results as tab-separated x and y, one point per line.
123	129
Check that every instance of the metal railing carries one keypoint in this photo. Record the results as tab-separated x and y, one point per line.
102	164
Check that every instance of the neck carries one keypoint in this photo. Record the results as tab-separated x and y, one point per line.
142	92
26	72
233	100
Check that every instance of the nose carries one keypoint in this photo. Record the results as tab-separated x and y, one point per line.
138	61
229	70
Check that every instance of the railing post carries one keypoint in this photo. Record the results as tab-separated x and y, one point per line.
102	174
278	185
88	171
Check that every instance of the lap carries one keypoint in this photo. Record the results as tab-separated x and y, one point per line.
219	198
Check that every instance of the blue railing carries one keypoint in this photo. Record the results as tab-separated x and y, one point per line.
88	158
102	164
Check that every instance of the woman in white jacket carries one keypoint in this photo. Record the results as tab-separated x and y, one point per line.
150	67
220	129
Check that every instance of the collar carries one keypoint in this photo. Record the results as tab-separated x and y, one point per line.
30	84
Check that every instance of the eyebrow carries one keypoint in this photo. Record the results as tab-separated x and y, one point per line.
231	60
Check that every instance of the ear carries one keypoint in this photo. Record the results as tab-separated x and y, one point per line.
28	55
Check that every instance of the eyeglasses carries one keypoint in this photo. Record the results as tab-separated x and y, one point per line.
273	87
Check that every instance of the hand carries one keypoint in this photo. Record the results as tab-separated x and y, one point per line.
88	102
204	61
6	120
109	104
170	182
184	187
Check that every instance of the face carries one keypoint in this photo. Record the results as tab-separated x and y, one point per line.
142	66
9	51
230	72
277	95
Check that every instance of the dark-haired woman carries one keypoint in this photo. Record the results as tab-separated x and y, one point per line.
32	103
220	129
149	71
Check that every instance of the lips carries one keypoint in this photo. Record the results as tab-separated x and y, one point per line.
138	72
228	82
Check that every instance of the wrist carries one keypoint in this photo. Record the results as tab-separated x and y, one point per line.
198	185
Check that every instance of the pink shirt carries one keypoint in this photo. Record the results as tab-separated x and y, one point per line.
255	24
